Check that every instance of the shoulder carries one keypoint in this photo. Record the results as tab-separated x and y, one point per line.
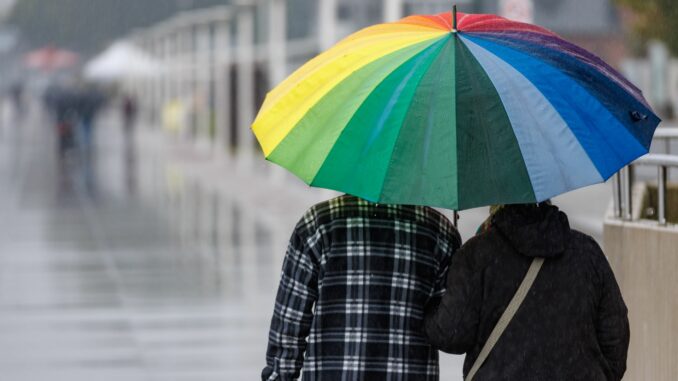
584	245
439	220
487	239
312	218
447	234
339	207
482	250
327	212
589	252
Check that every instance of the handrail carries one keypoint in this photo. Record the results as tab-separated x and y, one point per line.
666	133
657	159
623	181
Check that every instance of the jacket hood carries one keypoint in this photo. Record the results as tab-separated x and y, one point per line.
534	230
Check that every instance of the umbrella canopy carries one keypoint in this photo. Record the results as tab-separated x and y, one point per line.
457	115
121	60
50	58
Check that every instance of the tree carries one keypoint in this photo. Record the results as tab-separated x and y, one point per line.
655	19
88	25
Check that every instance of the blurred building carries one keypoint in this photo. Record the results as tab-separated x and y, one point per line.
5	6
220	62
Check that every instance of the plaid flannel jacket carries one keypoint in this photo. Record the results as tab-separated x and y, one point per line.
355	281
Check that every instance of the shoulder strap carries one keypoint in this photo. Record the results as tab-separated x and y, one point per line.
506	317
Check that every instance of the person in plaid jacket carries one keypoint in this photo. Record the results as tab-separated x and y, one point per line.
355	282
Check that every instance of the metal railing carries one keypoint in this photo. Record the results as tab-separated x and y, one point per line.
623	183
666	135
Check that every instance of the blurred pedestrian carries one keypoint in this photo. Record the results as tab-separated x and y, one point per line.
354	284
572	323
129	113
17	94
89	102
62	103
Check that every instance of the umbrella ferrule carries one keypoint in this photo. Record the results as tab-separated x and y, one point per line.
454	18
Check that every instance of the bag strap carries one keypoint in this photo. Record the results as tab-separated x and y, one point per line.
506	317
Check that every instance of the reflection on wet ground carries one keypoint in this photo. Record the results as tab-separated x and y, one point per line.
111	269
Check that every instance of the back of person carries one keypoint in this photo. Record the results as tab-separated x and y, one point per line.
369	270
572	324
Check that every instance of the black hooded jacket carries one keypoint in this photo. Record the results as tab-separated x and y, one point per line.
571	326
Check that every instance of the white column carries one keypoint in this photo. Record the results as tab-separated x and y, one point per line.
202	78
193	85
178	77
393	10
166	75
277	41
177	66
158	47
659	57
245	101
186	80
327	23
277	60
223	92
168	62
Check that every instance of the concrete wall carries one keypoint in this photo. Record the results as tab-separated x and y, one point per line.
644	258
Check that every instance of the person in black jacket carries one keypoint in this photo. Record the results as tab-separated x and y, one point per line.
572	324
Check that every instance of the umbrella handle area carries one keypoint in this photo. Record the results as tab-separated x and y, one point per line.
455	219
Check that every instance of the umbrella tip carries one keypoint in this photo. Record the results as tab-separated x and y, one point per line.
454	18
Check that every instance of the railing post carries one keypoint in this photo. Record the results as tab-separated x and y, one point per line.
617	195
661	195
627	179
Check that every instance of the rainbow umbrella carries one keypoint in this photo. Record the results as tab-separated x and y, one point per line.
429	111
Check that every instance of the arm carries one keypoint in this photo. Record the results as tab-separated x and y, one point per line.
293	311
439	288
451	324
447	246
612	324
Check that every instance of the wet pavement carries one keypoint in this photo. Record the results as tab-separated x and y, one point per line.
108	274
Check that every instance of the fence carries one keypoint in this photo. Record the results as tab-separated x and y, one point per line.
624	180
